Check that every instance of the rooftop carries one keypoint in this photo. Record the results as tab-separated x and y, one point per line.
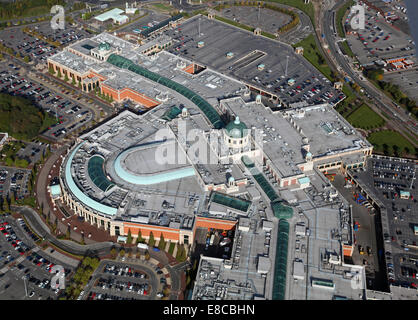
114	14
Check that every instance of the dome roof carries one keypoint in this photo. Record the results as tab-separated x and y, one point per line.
104	46
236	129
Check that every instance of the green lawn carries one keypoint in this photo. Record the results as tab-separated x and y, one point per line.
389	141
365	118
339	18
299	4
345	48
314	56
162	6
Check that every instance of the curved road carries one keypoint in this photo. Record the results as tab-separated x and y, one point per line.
382	103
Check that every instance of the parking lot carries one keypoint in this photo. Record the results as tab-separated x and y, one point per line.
387	177
69	115
379	40
407	80
26	271
123	281
235	52
14	181
265	19
37	49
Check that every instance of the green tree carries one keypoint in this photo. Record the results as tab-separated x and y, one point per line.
66	77
151	240
161	244
129	238
113	253
122	252
26	59
147	255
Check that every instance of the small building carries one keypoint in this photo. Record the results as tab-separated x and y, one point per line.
122	239
291	82
3	138
211	14
300	230
244	224
404	195
230	55
338	85
267	225
200	44
299	50
55	191
261	66
263	265
298	270
115	15
304	182
416	230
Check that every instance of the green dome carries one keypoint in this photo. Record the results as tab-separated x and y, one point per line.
236	129
104	46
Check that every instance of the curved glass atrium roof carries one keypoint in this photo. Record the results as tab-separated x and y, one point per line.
150	178
207	109
97	175
80	194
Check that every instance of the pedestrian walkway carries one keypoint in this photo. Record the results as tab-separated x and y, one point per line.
61	257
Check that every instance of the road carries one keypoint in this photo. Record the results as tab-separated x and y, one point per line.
397	120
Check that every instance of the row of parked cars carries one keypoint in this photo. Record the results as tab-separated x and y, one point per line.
28	231
104	296
123	271
7	230
131	287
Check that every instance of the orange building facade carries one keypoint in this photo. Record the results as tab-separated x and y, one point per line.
90	81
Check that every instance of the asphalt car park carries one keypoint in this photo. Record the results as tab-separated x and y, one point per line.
23	265
69	115
387	177
298	81
62	36
123	281
13	182
35	48
379	40
266	19
27	45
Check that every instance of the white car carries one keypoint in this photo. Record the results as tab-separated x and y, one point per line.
31	294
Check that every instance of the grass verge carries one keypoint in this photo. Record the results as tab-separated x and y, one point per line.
391	143
314	56
365	118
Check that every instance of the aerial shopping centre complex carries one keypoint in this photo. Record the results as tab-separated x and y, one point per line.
211	152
